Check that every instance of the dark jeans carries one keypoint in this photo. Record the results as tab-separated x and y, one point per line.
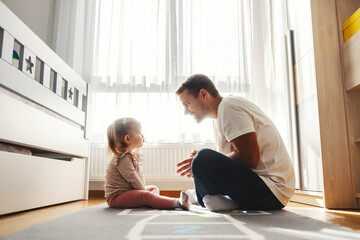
215	173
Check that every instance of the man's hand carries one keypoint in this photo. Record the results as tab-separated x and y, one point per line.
193	153
184	167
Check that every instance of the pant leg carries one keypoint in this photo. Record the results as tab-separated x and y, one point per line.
140	198
215	173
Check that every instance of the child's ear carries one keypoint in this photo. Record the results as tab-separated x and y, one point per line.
127	139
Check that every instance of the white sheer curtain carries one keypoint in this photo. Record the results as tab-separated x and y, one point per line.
135	53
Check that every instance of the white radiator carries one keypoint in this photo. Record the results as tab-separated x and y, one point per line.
159	164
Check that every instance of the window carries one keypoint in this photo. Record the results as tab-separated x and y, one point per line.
142	50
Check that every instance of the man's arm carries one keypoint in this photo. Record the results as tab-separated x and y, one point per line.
246	150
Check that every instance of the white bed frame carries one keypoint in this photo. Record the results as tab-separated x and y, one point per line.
34	116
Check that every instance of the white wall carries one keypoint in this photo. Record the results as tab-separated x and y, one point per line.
36	14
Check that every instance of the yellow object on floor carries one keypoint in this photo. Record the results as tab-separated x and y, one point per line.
351	25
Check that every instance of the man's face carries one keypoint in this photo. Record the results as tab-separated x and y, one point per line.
194	106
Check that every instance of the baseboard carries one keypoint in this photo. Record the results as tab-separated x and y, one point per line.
96	193
174	194
309	198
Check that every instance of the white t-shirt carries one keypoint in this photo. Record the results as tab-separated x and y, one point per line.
237	116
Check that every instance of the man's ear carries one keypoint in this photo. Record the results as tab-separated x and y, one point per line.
203	93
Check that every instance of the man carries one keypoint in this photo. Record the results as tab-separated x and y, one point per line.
253	169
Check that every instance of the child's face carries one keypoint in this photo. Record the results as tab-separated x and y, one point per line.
136	138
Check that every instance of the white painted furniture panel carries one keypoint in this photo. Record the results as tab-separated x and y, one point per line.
80	100
25	125
29	63
15	27
8	46
29	182
46	76
70	93
35	114
59	80
31	89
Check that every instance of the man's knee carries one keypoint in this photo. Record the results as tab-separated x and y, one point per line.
201	159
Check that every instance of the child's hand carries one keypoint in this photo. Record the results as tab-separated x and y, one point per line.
153	189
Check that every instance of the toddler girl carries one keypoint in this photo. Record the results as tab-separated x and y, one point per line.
124	183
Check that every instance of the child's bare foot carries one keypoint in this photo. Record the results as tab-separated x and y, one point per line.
184	201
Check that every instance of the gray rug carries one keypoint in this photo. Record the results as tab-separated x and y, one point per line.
101	222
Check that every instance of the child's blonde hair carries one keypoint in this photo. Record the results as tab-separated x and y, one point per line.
116	133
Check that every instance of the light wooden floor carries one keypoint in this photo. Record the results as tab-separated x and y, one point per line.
15	222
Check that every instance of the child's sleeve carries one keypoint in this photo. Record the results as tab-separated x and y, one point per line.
127	170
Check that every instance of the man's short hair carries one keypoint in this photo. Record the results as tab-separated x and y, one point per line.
197	82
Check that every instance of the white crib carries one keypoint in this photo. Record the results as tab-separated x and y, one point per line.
42	108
